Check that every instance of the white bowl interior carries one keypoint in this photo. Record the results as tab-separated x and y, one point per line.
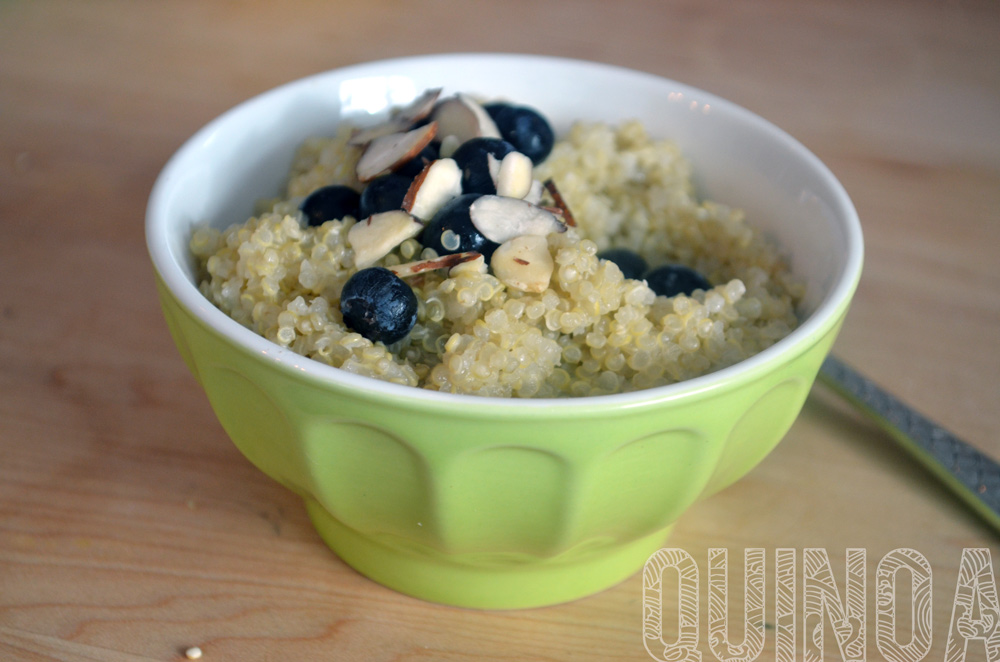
739	158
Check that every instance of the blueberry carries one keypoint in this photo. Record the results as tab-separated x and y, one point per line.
377	304
673	279
330	203
524	128
414	166
383	193
472	158
630	262
451	230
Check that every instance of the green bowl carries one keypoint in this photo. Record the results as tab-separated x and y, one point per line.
487	502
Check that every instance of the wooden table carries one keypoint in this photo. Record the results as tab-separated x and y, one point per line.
131	528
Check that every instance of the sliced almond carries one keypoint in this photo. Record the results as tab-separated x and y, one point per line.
493	165
514	177
461	116
448	146
557	212
374	237
524	263
567	215
535	193
476	265
362	137
401	119
443	262
499	218
388	152
419	108
437	183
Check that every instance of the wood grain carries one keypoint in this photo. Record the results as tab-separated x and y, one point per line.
131	528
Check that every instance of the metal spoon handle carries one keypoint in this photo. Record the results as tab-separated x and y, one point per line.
970	474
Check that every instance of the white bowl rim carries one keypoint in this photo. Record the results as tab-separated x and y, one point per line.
798	341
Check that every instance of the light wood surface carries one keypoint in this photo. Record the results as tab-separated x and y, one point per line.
131	528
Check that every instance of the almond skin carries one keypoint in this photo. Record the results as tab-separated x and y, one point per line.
437	183
560	202
386	153
444	262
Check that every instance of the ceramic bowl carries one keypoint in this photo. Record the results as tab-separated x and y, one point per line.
488	502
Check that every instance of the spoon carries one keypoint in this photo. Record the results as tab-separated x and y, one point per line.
973	476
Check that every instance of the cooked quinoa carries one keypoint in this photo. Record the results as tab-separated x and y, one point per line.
591	332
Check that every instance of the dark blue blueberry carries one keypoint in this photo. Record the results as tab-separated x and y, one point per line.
630	262
451	230
472	158
383	193
524	128
377	304
414	166
330	203
673	279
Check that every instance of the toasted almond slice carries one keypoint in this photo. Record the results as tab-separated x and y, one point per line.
567	215
535	192
524	263
448	146
400	120
476	265
378	234
388	152
461	116
362	137
493	165
437	183
443	262
419	108
514	177
500	218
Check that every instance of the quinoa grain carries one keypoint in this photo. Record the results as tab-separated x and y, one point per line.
590	331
